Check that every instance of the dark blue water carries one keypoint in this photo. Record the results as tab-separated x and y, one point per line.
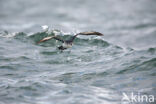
96	70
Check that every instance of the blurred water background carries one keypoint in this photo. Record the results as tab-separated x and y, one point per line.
96	70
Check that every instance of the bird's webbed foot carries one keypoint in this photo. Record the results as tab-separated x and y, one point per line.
61	48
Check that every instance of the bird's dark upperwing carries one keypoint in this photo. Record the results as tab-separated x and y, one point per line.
87	33
50	37
91	33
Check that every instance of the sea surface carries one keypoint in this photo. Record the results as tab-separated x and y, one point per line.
96	70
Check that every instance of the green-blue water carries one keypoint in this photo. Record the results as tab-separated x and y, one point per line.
96	70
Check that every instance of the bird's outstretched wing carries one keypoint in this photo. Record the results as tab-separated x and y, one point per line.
50	37
90	33
87	33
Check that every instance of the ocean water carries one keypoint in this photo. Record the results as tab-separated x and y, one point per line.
96	70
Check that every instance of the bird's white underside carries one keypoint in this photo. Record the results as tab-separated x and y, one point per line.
67	45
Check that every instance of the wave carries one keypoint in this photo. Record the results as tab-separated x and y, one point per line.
35	37
129	61
144	60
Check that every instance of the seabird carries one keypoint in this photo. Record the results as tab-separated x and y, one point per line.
68	43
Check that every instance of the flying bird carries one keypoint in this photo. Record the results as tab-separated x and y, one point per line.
68	43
